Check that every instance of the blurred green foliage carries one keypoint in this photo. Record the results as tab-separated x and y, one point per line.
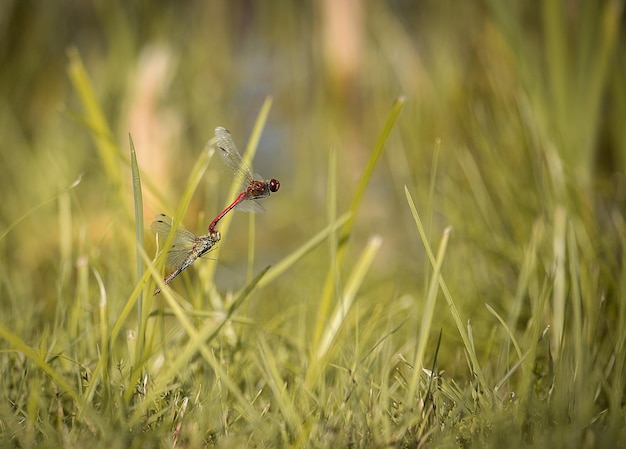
512	134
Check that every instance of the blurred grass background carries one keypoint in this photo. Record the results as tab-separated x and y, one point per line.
511	134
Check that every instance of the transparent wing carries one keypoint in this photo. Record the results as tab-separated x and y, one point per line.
182	242
249	206
177	255
161	224
231	157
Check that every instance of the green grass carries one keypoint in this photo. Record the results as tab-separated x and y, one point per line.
443	265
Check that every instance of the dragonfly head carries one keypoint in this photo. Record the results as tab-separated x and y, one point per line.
274	185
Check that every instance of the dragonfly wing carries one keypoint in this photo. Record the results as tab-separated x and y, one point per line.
161	225
227	149
250	206
177	256
182	245
231	157
182	242
183	237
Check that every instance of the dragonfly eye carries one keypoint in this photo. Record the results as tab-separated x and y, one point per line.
274	185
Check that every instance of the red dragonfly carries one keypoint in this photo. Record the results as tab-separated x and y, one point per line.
255	188
186	246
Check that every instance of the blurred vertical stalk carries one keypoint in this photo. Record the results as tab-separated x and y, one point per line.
65	236
100	131
142	313
568	77
346	230
559	294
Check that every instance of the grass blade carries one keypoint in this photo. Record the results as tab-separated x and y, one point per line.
248	155
446	293
33	355
428	314
352	286
139	243
198	343
107	149
354	207
197	173
302	251
29	212
284	401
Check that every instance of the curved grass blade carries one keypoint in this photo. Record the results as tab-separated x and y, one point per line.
196	175
302	251
198	344
139	240
329	284
18	344
352	286
235	186
446	293
29	212
110	154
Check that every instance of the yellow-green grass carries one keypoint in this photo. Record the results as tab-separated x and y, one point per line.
443	265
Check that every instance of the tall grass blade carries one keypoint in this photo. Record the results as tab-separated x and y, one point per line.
291	259
17	343
446	293
101	371
331	214
139	243
251	246
198	343
329	284
559	294
248	155
196	175
432	185
507	329
536	333
284	401
347	298
528	265
369	170
427	315
109	153
32	210
577	330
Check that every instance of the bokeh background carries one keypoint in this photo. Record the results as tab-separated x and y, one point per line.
513	112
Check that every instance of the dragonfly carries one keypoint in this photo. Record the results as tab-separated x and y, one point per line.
255	189
186	246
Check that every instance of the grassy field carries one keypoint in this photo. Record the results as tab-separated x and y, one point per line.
443	265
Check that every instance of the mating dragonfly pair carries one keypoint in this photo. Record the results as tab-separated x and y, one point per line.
186	246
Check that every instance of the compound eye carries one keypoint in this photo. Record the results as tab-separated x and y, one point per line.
274	185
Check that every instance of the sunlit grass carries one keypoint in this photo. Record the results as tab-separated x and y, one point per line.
442	267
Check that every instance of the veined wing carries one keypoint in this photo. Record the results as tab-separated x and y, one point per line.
231	157
250	206
182	243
